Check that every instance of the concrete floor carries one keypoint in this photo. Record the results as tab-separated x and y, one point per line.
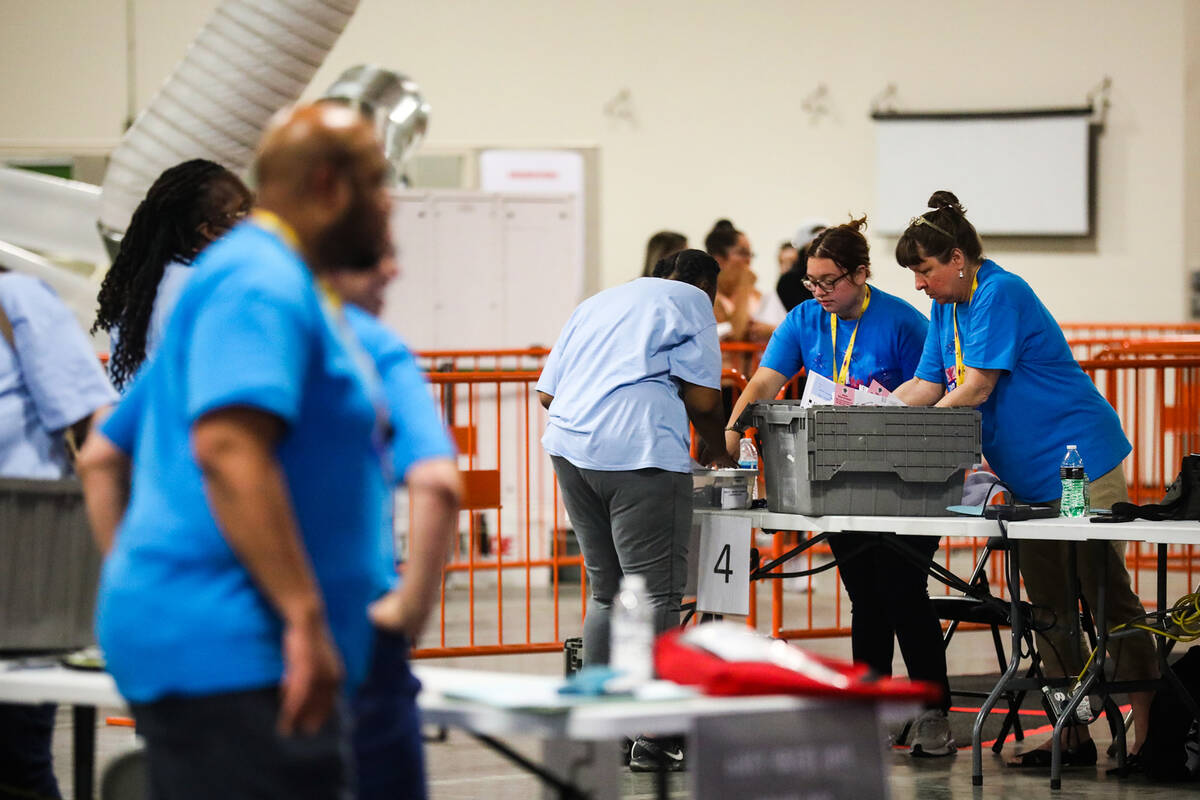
461	769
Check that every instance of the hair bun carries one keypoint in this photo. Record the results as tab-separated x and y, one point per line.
857	224
723	225
943	198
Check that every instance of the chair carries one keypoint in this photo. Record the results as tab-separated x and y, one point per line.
978	605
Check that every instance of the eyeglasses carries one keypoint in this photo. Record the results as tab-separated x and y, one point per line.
825	284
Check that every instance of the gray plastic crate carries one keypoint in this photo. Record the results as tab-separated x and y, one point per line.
49	566
887	461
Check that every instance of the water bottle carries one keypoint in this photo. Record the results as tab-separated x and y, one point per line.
1074	484
632	630
748	459
747	454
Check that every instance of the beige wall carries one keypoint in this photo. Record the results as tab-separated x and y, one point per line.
715	93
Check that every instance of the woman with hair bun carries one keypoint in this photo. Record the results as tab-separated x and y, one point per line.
992	345
856	334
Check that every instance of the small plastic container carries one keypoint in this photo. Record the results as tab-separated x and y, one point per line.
723	488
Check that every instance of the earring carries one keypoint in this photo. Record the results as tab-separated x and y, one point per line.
960	273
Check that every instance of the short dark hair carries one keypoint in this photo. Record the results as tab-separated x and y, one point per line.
936	233
690	266
844	245
722	238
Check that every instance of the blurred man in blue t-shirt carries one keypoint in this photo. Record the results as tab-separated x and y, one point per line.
241	567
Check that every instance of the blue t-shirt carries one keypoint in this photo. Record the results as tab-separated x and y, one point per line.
51	380
178	613
417	429
1042	402
886	349
615	370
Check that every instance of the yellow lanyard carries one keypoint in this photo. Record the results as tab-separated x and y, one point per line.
334	308
273	223
959	368
843	375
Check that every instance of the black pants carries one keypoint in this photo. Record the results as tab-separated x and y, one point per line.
26	767
389	753
225	746
889	599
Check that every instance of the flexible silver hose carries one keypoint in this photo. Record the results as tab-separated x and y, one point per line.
251	58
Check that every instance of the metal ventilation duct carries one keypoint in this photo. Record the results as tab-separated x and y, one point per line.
252	58
392	101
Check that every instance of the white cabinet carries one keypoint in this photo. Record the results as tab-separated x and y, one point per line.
483	271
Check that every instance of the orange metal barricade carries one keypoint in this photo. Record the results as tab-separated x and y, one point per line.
506	589
1155	387
1089	338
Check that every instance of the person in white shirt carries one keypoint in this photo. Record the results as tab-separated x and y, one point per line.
51	382
632	365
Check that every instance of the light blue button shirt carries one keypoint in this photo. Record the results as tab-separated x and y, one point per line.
50	382
615	376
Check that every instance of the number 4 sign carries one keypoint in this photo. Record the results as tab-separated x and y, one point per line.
723	586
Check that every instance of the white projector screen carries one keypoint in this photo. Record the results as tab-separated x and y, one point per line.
1016	174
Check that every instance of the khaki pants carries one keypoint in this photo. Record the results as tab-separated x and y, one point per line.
1044	568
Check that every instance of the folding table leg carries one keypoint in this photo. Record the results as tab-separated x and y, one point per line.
1014	583
84	746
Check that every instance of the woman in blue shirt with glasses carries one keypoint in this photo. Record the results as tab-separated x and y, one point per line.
857	334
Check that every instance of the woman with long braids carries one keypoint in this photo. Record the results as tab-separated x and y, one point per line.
188	206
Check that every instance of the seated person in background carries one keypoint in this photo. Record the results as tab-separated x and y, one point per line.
661	245
187	208
51	382
787	256
632	365
738	302
790	286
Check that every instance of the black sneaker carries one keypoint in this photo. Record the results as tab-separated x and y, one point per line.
654	755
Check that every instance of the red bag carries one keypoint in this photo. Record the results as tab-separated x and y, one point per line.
684	661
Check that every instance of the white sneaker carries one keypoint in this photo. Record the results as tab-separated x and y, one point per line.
931	736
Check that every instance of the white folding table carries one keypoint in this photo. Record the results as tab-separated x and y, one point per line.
1161	534
580	755
1083	529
